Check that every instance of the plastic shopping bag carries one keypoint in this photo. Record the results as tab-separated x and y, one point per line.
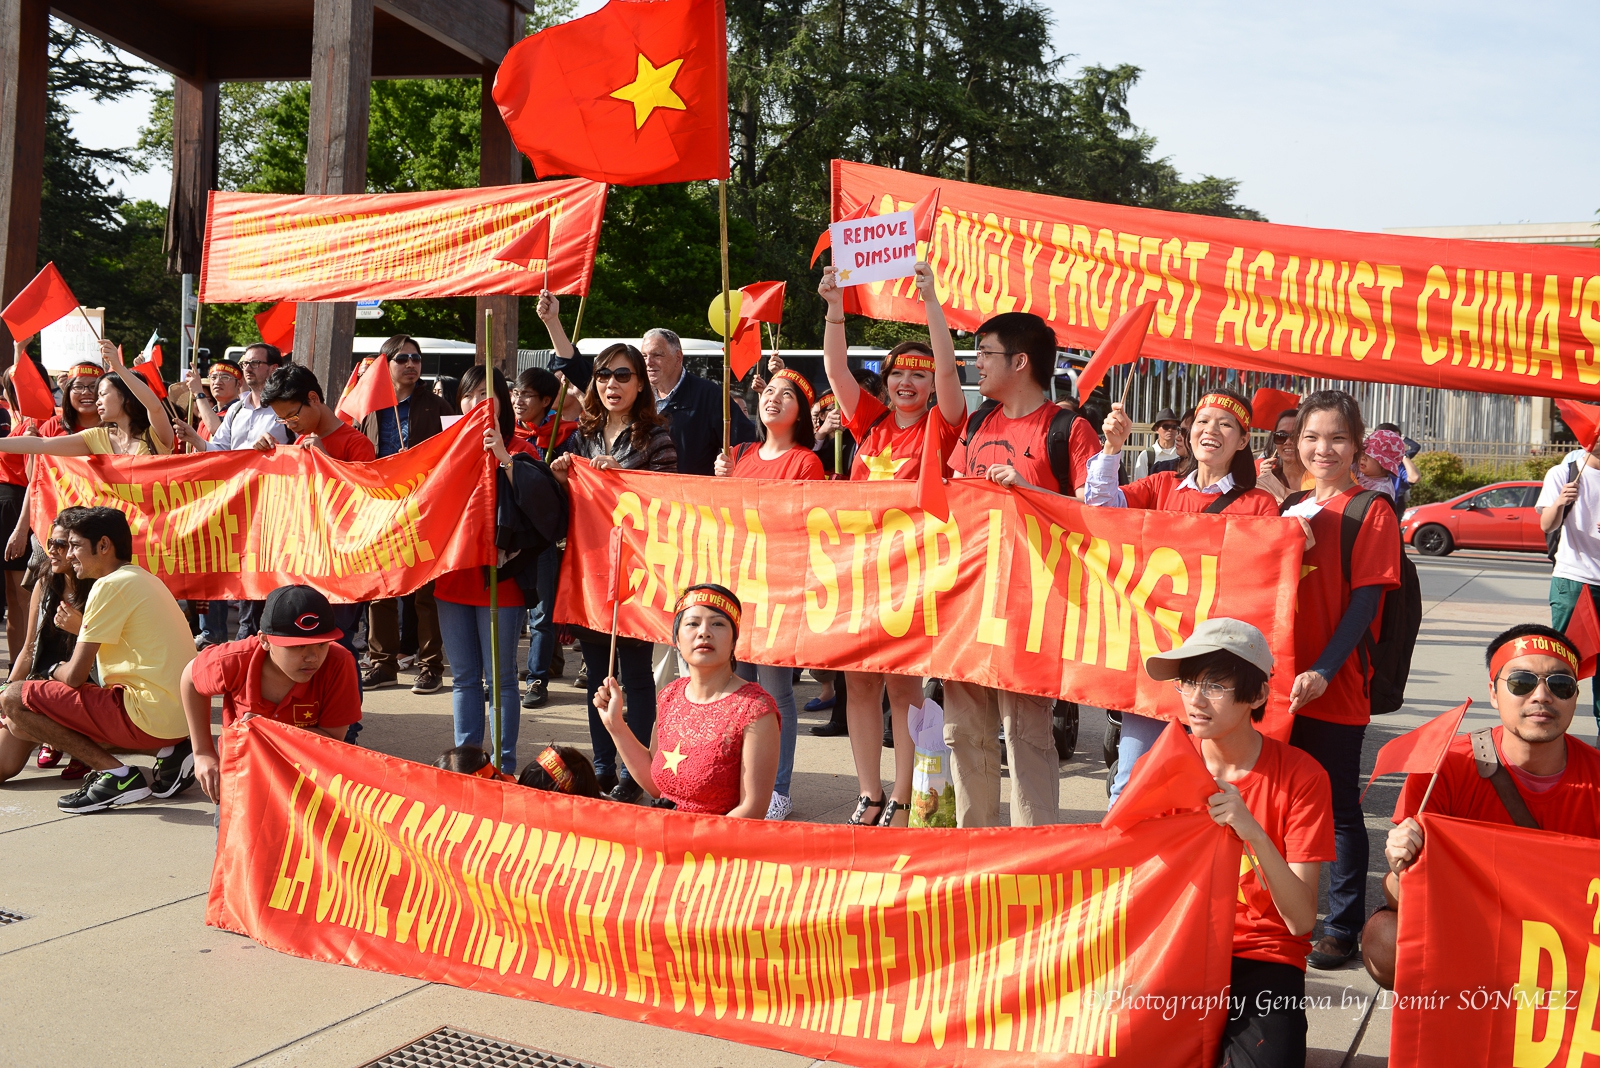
933	793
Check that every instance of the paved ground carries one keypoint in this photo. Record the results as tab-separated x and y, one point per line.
114	959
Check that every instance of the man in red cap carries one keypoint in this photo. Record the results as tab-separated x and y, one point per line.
292	671
1569	508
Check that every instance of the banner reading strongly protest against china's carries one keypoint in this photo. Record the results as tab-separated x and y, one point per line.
393	246
240	524
882	946
1027	591
1489	316
1494	967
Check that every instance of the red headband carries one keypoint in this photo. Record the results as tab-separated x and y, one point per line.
1229	405
1532	645
225	369
488	772
800	383
551	761
711	599
910	360
85	370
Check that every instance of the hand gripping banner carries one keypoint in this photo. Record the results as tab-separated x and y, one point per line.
1478	315
1496	965
240	524
1027	591
392	246
908	947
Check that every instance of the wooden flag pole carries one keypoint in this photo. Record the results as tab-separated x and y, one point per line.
494	571
561	381
611	661
727	322
88	320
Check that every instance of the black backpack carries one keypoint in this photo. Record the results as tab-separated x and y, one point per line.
1552	538
1058	441
1399	617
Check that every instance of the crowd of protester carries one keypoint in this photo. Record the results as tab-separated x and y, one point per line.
104	661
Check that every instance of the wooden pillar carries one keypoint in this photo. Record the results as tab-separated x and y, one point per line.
336	162
24	57
194	171
499	163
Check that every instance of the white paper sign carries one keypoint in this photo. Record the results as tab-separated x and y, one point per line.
69	340
875	249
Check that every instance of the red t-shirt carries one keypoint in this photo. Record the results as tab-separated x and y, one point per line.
1324	596
14	466
1572	806
796	464
888	450
1287	792
233	669
347	444
1022	444
470	586
1163	491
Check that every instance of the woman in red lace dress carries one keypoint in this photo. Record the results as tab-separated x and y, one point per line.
715	744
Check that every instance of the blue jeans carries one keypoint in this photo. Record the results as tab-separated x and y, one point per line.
541	618
464	628
1563	599
347	617
1139	733
779	683
638	680
249	619
1337	747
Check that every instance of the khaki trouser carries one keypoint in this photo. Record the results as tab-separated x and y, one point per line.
973	716
383	633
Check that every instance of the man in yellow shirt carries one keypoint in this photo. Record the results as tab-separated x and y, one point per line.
134	628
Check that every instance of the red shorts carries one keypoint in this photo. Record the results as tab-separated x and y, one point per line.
94	712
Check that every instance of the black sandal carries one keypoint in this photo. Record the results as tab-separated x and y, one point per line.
863	803
889	810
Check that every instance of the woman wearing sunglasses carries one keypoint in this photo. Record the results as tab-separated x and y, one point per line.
1281	472
619	429
1336	613
1219	475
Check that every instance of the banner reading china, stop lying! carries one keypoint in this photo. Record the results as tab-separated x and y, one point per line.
240	524
393	246
1477	315
927	947
1027	591
1493	967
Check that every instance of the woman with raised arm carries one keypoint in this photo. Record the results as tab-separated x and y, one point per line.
132	420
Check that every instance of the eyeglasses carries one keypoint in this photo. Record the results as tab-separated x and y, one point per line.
1211	691
1280	436
407	357
623	375
1001	353
292	416
57	545
1562	687
92	386
253	363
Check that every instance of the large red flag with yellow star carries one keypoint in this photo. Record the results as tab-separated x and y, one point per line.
634	94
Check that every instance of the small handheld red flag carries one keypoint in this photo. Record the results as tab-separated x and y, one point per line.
1170	777
826	240
931	494
33	395
41	302
923	214
530	247
1266	405
276	325
745	352
1421	749
1584	630
1582	419
370	390
622	562
763	302
1120	345
150	371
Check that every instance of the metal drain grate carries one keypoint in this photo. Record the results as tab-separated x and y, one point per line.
448	1047
10	917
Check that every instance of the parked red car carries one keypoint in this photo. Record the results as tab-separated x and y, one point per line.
1501	516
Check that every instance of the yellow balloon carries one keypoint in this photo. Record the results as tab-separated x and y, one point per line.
714	314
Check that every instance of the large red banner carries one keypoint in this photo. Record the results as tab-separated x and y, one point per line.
392	246
1489	316
240	524
885	946
1030	592
1496	967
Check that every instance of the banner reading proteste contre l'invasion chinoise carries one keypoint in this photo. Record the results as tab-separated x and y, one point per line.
908	947
240	524
1475	315
1492	966
1027	591
393	246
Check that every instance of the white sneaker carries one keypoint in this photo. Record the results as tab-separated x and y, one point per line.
780	807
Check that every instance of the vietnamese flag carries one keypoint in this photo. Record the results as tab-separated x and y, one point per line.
1584	630
276	325
370	389
621	560
34	398
745	352
41	302
763	302
1120	345
1170	777
931	495
634	94
530	247
1267	405
826	240
1421	749
1582	419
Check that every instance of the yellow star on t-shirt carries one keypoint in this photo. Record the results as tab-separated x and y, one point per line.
1306	569
883	466
673	757
651	89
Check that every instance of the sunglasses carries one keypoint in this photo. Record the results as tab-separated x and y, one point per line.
623	375
1280	436
1562	687
57	545
406	357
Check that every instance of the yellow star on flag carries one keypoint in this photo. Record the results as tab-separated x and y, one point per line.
673	757
651	89
883	466
1306	569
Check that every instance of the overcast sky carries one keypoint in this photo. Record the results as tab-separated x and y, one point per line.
1359	115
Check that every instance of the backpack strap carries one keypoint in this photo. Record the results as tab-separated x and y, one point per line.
1058	446
1223	500
1572	473
1355	514
976	420
1489	767
1292	499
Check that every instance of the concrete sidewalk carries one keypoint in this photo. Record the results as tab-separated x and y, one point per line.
114	954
